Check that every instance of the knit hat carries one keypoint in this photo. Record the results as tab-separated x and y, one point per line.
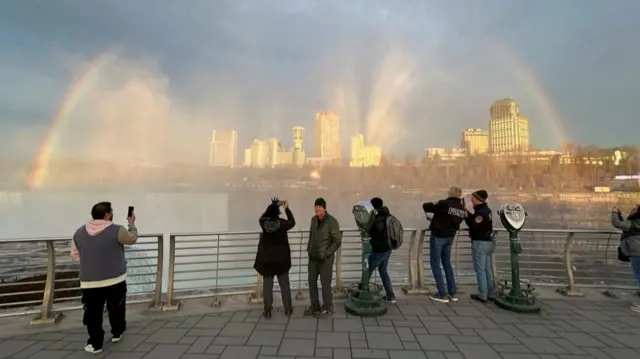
480	195
377	202
320	202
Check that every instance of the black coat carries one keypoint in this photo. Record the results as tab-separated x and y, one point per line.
274	254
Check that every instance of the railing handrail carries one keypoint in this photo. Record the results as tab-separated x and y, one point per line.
415	247
231	233
61	238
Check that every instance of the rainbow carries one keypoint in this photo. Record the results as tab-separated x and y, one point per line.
40	169
38	174
529	80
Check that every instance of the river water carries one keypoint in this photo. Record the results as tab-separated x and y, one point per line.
204	261
58	213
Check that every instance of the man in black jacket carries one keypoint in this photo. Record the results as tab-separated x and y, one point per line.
447	216
380	249
480	223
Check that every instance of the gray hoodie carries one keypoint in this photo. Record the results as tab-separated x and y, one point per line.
630	241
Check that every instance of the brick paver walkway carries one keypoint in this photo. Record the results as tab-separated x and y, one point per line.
415	328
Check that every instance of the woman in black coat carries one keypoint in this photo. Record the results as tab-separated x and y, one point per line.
273	258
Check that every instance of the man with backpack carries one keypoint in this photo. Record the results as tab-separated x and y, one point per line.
386	235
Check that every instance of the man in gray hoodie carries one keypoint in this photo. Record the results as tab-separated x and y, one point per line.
99	245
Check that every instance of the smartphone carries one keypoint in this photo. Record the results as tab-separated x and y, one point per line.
280	203
130	212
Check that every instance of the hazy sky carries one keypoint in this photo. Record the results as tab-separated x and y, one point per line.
409	74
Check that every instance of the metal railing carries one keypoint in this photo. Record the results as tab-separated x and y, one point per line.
39	276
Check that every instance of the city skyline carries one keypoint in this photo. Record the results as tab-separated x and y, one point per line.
419	72
507	133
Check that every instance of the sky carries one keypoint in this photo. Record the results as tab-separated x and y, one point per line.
408	74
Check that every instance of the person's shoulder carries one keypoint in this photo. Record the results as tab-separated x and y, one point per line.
79	230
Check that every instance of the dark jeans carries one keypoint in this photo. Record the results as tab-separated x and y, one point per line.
635	266
481	252
323	269
381	262
94	300
285	291
440	252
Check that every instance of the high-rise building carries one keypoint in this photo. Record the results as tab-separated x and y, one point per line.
327	136
222	149
362	155
508	128
247	158
259	153
475	141
299	155
268	154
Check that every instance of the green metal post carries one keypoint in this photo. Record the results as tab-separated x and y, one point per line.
517	299
514	250
364	299
366	251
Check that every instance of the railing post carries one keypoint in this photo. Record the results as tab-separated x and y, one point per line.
257	296
299	295
411	287
171	304
570	290
157	298
339	274
420	289
608	292
46	315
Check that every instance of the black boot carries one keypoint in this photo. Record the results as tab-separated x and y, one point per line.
288	312
267	313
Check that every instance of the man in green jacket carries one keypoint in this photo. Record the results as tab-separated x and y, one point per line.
324	240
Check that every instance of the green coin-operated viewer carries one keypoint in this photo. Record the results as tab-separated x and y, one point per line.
364	298
514	297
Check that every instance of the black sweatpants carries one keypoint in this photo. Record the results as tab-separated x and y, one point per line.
324	270
94	300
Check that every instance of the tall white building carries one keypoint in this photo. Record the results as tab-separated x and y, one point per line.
299	155
223	149
508	128
363	155
327	136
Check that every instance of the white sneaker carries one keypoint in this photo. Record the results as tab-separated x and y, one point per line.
90	349
116	339
635	308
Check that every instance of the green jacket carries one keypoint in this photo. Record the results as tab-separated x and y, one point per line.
324	240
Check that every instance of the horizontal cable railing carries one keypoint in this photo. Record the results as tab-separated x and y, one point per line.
41	273
38	276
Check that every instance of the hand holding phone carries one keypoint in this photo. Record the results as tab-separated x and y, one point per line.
131	217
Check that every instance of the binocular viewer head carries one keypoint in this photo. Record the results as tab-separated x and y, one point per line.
362	212
512	216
